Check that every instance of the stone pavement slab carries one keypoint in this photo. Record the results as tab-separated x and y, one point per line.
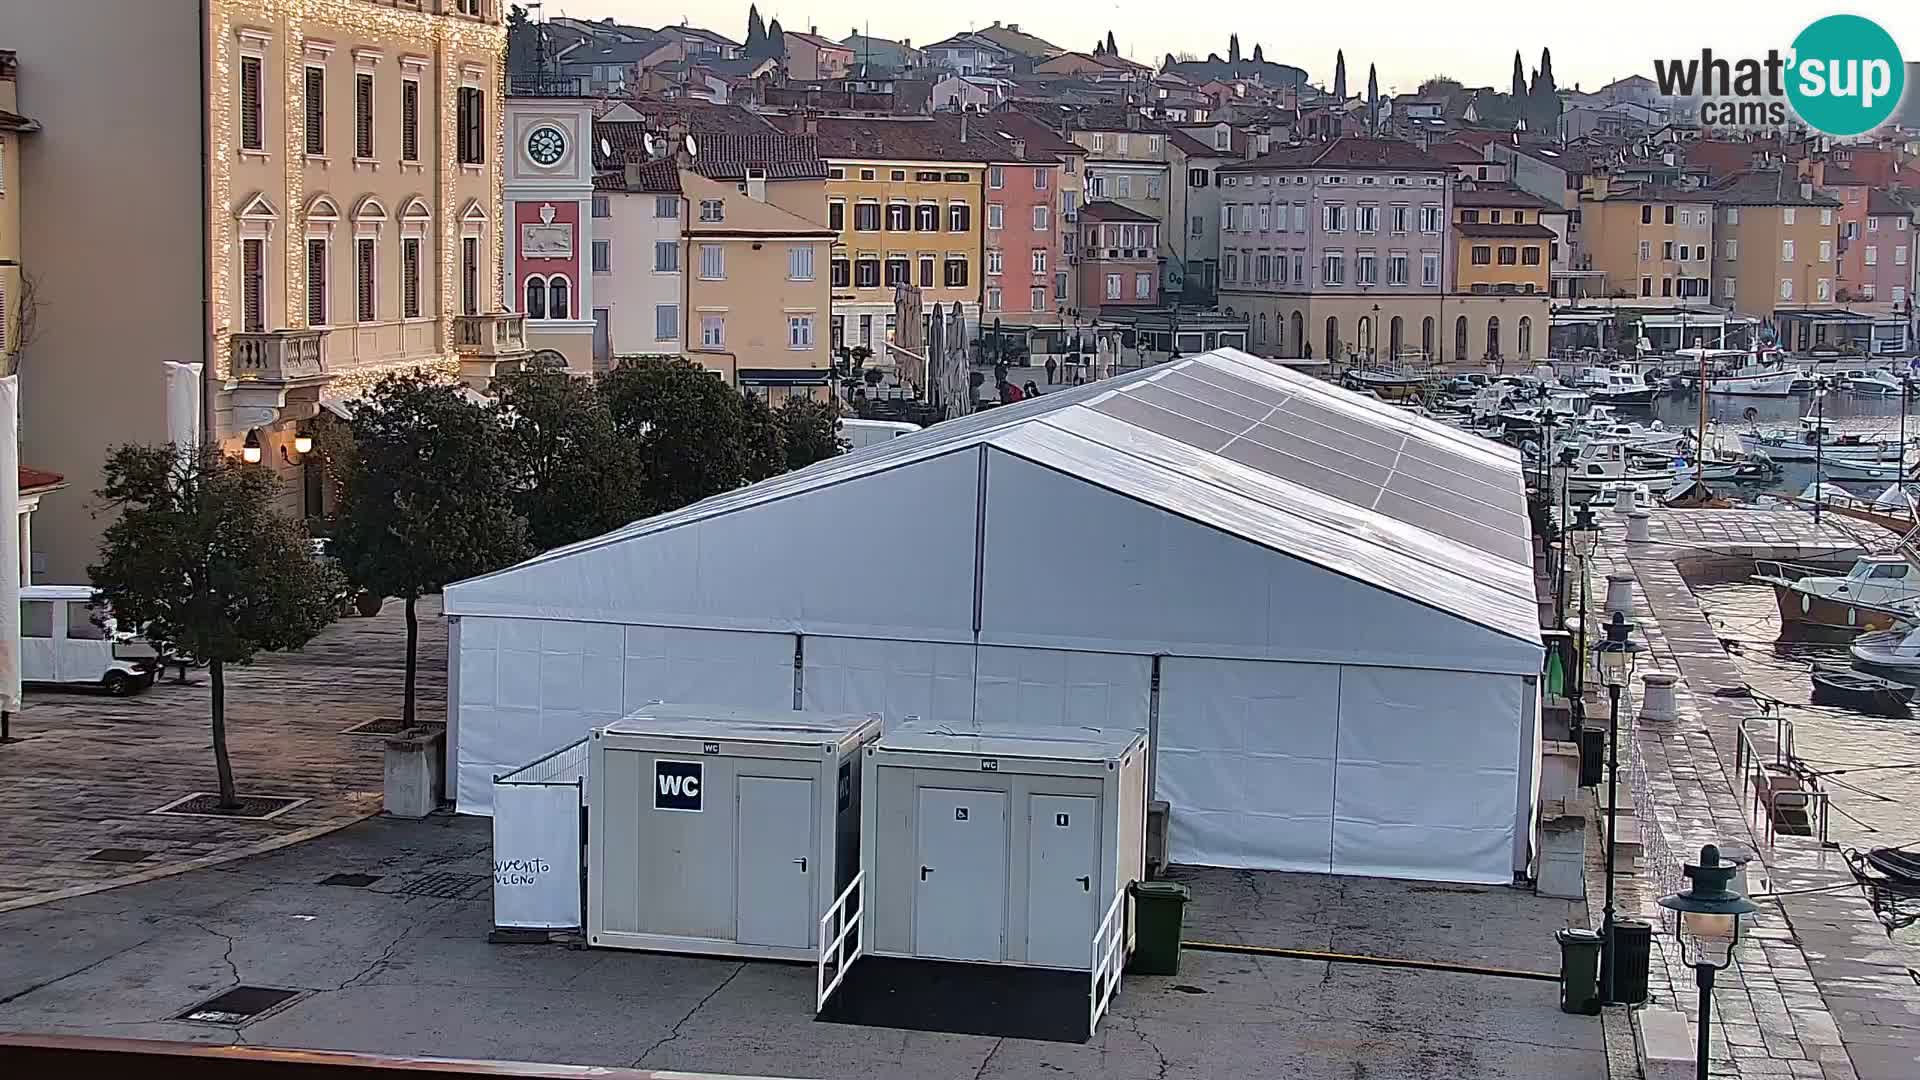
385	971
84	769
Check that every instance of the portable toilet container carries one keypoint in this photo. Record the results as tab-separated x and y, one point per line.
992	850
722	830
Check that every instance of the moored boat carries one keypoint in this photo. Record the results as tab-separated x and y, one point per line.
1861	692
1873	594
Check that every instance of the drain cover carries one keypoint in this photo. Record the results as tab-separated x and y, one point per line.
352	881
207	804
445	886
120	855
239	1005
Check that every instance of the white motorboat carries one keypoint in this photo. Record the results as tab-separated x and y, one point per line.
1816	439
1754	382
1895	650
1884	472
1623	388
1878	590
1602	463
1875	384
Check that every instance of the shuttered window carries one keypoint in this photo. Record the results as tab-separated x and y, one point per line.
250	126
316	110
470	275
316	283
410	120
410	277
363	115
365	309
253	285
471	109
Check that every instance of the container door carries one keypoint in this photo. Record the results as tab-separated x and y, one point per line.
1063	879
959	903
38	646
774	856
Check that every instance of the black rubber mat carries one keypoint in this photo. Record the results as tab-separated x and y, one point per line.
963	999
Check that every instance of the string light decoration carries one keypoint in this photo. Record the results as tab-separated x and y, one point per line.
455	42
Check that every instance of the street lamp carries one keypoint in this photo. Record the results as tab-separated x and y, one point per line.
1616	661
250	449
1819	440
1709	914
1585	538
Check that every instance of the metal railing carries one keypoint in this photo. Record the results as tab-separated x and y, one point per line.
841	922
1108	959
1785	783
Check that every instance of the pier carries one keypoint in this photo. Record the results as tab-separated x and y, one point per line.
1818	989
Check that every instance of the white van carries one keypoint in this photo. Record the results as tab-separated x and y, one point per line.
60	643
859	433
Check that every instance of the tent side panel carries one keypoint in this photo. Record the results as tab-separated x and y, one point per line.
531	686
1426	773
770	566
1052	687
896	679
1122	576
1246	762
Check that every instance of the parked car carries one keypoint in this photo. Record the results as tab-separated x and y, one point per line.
62	642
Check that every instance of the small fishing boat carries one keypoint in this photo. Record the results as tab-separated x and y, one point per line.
1861	692
1899	866
1894	651
1876	592
1875	384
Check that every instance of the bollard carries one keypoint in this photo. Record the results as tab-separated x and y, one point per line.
1623	498
1656	697
1637	527
1619	595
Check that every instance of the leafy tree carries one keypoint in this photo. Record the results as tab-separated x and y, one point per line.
1340	75
429	501
764	444
574	475
203	564
756	43
1233	48
1441	88
811	430
689	428
1544	101
1519	90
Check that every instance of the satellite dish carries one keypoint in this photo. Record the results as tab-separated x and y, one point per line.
693	148
651	145
606	148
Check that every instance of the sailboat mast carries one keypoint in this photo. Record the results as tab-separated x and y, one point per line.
1700	441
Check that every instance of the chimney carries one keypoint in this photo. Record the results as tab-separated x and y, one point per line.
632	170
964	118
996	25
1262	142
814	30
810	122
1133	118
1014	26
757	184
1806	189
1020	149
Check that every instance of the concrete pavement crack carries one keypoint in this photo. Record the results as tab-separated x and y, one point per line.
386	954
701	1004
18	994
226	957
988	1060
1134	1025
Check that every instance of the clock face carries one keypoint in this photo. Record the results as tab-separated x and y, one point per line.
546	145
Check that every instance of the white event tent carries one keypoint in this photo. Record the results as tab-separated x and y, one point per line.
1320	606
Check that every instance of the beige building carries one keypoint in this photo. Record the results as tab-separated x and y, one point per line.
310	206
1776	252
12	127
756	281
1653	242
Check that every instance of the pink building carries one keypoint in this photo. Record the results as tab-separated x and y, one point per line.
1119	261
1886	251
1022	238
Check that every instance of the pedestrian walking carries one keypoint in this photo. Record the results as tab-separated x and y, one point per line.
1052	364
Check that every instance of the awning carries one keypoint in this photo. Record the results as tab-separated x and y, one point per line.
785	376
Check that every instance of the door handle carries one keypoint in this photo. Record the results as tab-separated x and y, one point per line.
802	863
1086	883
924	871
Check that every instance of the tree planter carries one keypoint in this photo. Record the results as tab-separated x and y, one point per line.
368	605
415	768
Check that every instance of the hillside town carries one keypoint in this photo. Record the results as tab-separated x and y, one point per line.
550	546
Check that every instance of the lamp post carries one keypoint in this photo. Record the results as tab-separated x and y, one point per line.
1819	441
1709	913
1567	457
1616	662
1585	536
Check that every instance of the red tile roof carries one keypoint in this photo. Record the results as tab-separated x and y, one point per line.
1882	202
1504	231
1349	153
920	138
1458	153
1766	188
32	479
1503	195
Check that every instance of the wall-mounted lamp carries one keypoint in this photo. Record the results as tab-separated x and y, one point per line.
302	446
250	450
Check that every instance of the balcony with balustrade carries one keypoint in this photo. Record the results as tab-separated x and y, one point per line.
489	346
274	369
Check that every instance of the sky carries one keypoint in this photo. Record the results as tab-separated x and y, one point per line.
1408	39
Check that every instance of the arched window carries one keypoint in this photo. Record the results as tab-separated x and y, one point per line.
1260	335
1394	330
1297	337
1426	337
536	297
1493	337
557	297
1460	340
1333	337
1526	338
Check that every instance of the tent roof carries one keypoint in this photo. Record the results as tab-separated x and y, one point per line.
1282	460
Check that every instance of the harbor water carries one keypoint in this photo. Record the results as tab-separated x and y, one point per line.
1843	411
1871	764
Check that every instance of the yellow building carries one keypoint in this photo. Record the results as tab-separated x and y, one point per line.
1500	244
1778	236
1653	242
906	198
12	126
758	297
299	197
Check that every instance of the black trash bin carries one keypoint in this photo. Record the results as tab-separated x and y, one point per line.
1159	918
1593	755
1632	955
1579	970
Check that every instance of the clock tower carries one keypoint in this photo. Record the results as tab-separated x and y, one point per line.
549	212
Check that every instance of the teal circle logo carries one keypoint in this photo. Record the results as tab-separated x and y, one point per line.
1846	76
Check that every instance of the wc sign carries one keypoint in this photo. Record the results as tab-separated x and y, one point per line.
676	785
